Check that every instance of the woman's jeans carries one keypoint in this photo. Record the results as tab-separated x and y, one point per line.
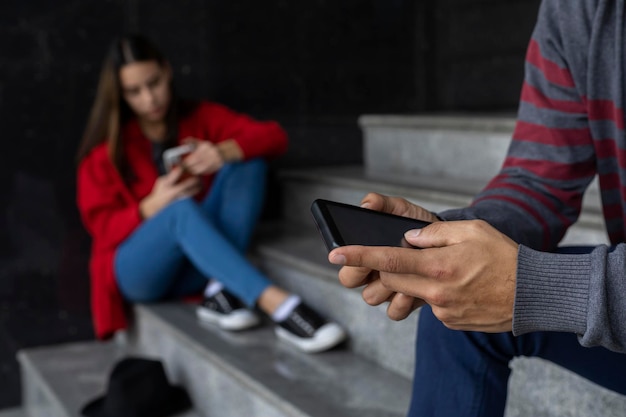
465	374
178	250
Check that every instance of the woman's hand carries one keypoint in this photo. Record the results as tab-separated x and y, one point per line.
166	189
208	158
205	159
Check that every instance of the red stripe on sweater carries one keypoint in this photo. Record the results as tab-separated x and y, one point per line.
538	99
597	109
605	110
610	181
540	197
530	132
552	71
607	148
552	170
564	196
529	209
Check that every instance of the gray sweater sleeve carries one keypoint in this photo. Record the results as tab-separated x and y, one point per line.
583	293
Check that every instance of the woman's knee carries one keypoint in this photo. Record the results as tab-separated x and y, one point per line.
140	292
183	209
254	169
185	205
256	164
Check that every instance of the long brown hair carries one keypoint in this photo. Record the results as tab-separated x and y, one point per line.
109	111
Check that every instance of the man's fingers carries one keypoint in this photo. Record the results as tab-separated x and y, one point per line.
441	234
386	204
351	277
375	293
401	306
379	258
412	285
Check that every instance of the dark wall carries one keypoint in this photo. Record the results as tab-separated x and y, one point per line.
479	47
319	66
314	66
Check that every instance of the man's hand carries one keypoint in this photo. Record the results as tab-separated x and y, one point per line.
465	271
398	206
374	293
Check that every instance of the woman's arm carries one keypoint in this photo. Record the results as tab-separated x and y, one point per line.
107	210
253	138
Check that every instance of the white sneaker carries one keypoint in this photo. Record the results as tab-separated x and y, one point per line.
309	332
227	312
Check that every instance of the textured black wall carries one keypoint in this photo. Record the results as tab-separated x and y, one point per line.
315	66
479	47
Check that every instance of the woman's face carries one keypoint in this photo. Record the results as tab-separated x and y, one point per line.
146	88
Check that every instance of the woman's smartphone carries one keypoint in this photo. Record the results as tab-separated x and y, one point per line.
174	156
344	224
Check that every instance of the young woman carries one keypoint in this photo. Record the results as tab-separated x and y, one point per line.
161	234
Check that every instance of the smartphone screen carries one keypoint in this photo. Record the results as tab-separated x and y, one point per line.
174	156
344	224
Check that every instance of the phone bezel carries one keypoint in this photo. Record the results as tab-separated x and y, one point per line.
325	223
327	227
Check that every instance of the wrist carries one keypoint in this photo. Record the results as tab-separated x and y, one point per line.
144	208
230	151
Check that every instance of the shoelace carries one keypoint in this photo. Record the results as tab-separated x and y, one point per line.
223	303
303	323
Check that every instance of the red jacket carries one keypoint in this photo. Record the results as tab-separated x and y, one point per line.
109	207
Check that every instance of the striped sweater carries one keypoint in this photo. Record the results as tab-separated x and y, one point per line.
570	128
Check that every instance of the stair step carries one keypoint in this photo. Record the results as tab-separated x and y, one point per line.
252	374
59	380
541	388
350	184
467	148
295	258
13	412
438	146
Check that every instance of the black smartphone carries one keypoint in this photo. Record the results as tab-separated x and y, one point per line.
344	224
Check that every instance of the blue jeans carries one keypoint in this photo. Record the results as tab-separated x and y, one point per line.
465	374
178	250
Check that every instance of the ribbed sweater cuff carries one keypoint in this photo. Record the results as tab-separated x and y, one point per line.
552	292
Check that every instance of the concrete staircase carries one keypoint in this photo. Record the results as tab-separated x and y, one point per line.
438	162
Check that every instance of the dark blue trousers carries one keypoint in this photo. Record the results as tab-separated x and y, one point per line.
463	374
